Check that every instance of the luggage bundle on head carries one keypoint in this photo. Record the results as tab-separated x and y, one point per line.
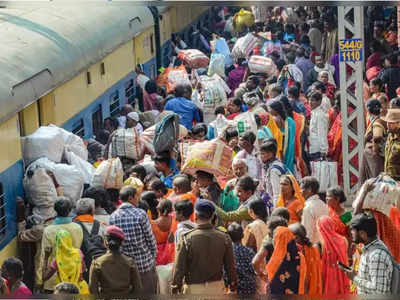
40	192
383	197
126	143
72	143
213	157
212	93
86	168
242	20
172	76
261	64
217	65
194	58
109	174
166	134
244	46
70	178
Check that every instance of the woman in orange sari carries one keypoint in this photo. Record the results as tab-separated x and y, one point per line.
161	229
291	198
334	249
286	268
312	255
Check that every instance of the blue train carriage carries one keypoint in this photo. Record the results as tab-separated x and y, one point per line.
61	65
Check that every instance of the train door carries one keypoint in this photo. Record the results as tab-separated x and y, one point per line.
97	120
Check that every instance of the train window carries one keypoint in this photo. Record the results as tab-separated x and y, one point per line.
102	69
97	120
129	92
88	78
114	104
151	44
3	220
78	128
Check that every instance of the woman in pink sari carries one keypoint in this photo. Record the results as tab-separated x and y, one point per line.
334	249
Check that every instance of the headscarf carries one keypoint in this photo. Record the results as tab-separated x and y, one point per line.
334	250
269	122
68	259
297	192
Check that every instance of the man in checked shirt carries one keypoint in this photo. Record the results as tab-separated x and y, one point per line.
139	243
376	264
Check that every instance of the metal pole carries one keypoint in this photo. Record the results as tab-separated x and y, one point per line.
350	20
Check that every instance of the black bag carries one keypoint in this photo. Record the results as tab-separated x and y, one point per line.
92	245
166	134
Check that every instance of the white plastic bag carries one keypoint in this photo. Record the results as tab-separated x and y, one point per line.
220	124
246	122
386	193
212	93
68	177
164	273
46	141
86	168
109	174
217	65
39	188
126	143
326	173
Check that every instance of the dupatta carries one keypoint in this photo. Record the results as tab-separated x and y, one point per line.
270	123
289	144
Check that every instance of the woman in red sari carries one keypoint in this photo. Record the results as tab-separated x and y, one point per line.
334	249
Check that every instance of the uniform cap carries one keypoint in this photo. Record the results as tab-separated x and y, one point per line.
205	207
115	231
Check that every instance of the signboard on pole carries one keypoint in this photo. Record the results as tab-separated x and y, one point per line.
351	50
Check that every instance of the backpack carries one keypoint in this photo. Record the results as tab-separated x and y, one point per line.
92	245
395	285
166	133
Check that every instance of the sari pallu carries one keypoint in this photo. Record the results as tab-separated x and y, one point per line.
289	143
300	121
286	268
165	250
269	122
334	249
69	262
313	280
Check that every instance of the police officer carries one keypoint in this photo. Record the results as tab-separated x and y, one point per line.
201	255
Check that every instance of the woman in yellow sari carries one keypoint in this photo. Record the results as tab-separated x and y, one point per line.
291	198
68	263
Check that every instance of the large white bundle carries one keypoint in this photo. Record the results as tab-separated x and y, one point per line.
70	178
39	188
212	93
126	143
246	122
383	197
261	64
164	273
47	141
244	46
73	143
109	174
86	168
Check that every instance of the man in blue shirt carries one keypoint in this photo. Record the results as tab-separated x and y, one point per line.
186	109
167	167
293	95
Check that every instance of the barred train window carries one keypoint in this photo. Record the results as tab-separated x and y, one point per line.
114	104
3	221
129	92
78	128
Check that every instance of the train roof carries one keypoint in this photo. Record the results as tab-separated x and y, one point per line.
43	47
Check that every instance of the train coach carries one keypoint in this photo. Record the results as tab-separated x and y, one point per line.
73	67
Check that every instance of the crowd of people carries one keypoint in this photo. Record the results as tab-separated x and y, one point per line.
270	224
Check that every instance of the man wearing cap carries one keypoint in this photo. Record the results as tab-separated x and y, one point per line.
201	255
392	149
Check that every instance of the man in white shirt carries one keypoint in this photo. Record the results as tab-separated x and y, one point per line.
133	116
314	208
319	123
249	154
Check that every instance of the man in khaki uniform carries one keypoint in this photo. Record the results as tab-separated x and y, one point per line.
201	255
392	149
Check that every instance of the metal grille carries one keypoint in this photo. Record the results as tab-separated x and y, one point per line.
3	220
350	25
78	128
129	92
114	104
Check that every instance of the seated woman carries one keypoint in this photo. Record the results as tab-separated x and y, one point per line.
334	249
286	268
161	228
245	190
291	198
69	263
312	255
13	271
